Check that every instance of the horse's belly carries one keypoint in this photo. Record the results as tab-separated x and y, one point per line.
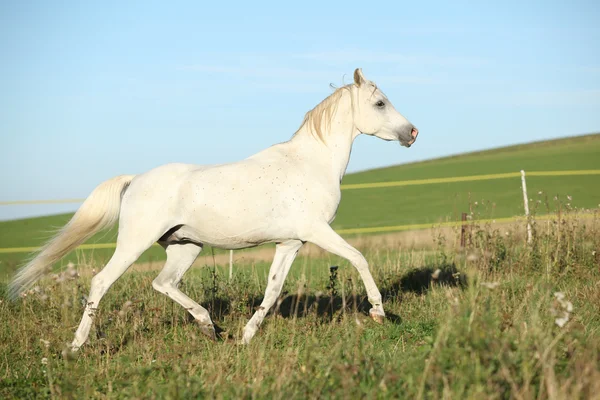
251	208
226	236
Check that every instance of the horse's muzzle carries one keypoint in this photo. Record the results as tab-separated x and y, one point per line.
413	137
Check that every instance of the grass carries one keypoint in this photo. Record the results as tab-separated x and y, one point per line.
483	326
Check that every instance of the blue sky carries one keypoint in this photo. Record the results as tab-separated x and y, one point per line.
89	90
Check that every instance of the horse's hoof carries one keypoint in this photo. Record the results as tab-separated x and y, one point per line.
377	315
73	347
70	352
208	330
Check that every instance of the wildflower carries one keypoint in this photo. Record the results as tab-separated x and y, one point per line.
562	321
569	197
540	192
46	343
44	361
561	309
71	271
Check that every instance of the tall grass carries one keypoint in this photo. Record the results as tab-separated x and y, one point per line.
480	322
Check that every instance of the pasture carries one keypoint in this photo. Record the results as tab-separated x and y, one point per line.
482	322
496	319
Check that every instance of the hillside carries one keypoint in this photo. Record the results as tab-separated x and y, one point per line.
501	198
391	206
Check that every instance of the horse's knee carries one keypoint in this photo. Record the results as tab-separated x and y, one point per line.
99	284
360	262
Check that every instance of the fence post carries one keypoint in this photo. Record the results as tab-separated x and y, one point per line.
463	229
526	204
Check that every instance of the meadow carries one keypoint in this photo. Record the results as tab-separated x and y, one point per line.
498	318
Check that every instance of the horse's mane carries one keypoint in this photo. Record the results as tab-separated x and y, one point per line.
318	120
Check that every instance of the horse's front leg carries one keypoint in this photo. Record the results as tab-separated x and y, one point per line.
326	238
284	257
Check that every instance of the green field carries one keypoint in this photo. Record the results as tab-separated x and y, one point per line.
441	202
483	327
411	204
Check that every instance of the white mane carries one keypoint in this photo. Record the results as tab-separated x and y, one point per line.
318	120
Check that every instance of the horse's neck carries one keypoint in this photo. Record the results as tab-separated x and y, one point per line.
334	150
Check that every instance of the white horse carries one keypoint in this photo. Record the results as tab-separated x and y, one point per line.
287	194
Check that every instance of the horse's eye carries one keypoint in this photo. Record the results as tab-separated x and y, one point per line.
380	104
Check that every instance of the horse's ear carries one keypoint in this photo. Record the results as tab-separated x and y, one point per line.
359	79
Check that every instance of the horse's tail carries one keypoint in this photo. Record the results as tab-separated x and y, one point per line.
99	211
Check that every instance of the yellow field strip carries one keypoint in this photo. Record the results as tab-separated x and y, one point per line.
378	229
380	184
414	227
81	247
468	178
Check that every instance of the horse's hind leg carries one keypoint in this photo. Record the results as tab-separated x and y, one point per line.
124	256
179	259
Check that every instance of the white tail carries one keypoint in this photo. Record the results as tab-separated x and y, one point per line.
99	211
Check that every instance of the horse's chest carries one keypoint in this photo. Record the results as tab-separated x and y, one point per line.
325	203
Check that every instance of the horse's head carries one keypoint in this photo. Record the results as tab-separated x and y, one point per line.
375	115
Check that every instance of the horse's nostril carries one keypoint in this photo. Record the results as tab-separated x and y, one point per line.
414	132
